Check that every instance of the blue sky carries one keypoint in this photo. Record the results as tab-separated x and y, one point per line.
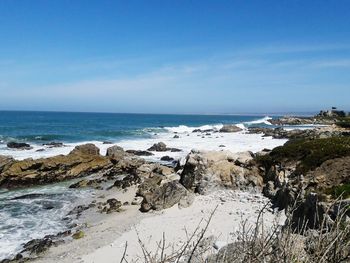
174	56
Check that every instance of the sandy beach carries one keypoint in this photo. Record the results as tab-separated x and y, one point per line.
105	239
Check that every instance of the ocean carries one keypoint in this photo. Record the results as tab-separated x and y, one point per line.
28	217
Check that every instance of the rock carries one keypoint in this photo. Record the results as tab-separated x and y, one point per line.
78	235
174	150
176	137
115	152
163	197
78	210
158	147
5	161
127	181
53	144
222	145
137	200
107	142
230	128
19	145
167	158
80	162
139	153
86	149
112	205
94	183
206	171
37	246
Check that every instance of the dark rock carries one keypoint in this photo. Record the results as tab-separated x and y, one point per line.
78	210
53	144
162	197
167	158
28	196
112	205
107	142
174	150
19	145
37	246
94	183
139	153
158	147
176	137
127	181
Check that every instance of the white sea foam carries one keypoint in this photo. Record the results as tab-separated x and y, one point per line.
264	120
235	142
184	128
25	219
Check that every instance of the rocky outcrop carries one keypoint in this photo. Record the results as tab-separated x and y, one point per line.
230	128
292	120
82	161
205	171
280	133
305	177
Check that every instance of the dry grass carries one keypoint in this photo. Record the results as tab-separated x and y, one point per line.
260	244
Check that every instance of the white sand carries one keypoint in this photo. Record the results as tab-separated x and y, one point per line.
105	241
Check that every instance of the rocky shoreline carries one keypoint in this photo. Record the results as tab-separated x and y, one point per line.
311	170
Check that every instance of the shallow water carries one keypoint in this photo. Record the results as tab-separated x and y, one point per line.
35	212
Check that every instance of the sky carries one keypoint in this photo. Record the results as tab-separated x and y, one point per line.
175	56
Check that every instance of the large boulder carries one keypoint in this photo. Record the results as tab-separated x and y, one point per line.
159	196
115	152
205	171
86	149
230	128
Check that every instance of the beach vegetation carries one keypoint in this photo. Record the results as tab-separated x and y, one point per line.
309	154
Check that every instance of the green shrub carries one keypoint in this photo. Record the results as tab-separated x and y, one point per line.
342	191
343	122
309	154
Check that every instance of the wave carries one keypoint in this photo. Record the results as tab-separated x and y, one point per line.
264	120
189	129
